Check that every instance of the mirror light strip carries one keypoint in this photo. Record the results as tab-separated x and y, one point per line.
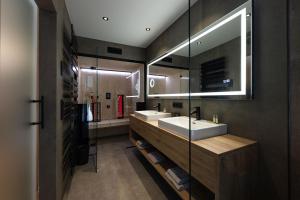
136	96
132	74
184	78
244	51
198	94
157	76
241	13
107	72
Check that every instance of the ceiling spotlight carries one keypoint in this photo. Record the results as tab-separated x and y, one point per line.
148	29
248	15
105	18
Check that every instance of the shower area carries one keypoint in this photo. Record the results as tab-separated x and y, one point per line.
110	90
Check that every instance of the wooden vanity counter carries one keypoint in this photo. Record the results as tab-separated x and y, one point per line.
225	164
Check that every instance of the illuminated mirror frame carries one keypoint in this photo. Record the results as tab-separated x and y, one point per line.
126	74
139	84
244	92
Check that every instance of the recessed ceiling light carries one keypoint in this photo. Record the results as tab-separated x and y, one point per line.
105	18
248	15
148	29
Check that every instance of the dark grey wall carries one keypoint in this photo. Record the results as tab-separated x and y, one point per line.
265	117
47	88
45	5
53	20
294	32
94	47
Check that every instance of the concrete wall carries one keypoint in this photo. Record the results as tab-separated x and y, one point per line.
53	20
265	117
47	88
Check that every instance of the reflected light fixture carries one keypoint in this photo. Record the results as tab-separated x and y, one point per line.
132	74
184	78
107	72
157	76
135	96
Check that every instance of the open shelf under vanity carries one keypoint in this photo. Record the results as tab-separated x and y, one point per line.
200	191
218	165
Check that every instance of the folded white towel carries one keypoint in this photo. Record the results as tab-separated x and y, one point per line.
179	176
179	187
141	144
155	157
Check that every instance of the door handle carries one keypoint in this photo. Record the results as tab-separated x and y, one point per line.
41	117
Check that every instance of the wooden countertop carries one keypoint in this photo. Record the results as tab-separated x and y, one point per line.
219	145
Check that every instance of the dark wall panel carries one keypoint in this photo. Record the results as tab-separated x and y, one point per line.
45	5
54	19
294	36
47	87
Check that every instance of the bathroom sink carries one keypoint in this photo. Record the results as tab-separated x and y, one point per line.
200	129
151	114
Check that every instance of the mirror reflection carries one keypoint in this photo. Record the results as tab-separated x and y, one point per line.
216	61
168	80
220	60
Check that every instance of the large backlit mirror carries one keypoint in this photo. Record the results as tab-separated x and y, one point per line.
217	63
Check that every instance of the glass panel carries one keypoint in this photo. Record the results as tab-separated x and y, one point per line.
18	84
103	81
167	81
220	67
88	88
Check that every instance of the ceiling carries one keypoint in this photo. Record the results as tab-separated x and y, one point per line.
128	19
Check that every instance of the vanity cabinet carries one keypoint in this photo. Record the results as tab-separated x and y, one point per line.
226	164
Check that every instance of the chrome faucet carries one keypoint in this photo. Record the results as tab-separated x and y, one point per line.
197	112
158	107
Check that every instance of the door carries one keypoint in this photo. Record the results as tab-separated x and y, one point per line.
18	85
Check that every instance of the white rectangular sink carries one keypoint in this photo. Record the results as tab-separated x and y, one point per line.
200	129
151	114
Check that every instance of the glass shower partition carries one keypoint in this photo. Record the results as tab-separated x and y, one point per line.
88	88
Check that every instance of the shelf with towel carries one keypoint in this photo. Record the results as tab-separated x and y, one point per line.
162	168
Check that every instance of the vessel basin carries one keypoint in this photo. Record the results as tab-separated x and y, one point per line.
200	129
151	114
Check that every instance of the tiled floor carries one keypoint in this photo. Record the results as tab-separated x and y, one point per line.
124	175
